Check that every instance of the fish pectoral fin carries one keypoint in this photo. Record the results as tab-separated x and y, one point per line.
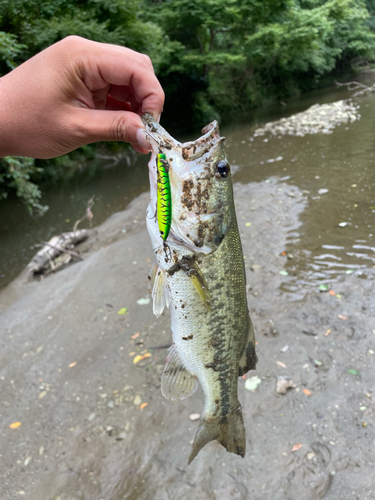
191	268
201	287
229	431
177	382
249	358
158	287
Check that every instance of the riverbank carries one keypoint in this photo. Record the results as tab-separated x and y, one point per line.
68	346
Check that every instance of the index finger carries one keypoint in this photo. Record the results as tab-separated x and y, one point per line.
124	67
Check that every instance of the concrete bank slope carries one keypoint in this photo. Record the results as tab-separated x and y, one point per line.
67	374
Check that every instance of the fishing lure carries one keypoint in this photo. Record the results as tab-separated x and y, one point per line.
164	202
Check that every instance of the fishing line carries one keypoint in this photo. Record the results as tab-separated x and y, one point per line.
303	420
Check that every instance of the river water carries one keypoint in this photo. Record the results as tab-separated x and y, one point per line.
340	163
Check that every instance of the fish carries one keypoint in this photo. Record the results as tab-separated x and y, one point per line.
199	274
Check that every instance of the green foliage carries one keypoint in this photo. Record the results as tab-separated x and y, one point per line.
213	57
15	174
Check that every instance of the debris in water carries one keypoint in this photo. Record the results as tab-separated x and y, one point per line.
283	384
323	191
343	224
331	292
123	310
135	336
252	383
323	288
307	392
72	364
284	349
143	405
284	273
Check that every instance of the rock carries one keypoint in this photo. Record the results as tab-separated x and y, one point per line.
137	400
318	118
283	384
194	416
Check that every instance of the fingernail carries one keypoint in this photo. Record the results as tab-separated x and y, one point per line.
142	139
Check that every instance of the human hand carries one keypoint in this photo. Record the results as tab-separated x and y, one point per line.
77	92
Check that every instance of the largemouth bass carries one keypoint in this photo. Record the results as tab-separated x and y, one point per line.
199	273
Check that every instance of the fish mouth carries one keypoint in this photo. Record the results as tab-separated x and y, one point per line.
160	139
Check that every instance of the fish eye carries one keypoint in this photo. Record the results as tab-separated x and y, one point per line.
222	169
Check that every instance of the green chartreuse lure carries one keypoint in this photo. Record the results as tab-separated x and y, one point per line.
164	203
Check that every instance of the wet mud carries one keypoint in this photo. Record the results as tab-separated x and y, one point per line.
67	349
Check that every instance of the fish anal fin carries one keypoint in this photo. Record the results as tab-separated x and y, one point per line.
229	431
177	382
158	288
249	358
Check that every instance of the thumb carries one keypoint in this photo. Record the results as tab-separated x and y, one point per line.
103	125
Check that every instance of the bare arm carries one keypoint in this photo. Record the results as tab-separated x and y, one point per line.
74	93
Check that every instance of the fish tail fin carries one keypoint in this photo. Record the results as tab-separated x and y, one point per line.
229	431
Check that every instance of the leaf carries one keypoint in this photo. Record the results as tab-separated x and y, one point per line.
15	425
143	405
353	372
280	363
296	447
307	392
318	363
331	292
72	364
284	273
248	224
135	336
123	310
139	358
323	288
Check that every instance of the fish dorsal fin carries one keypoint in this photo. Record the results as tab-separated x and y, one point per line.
158	287
177	382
